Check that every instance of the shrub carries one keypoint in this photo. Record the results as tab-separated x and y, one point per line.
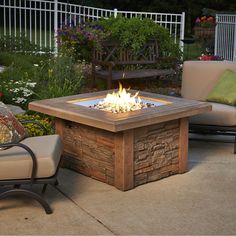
17	92
58	77
18	80
33	129
38	77
19	44
24	61
77	41
16	85
135	32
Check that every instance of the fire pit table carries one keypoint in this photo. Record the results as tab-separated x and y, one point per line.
125	149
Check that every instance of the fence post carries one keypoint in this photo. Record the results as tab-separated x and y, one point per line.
234	52
4	16
216	36
181	43
115	12
55	26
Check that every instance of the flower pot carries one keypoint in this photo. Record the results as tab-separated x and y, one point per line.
204	33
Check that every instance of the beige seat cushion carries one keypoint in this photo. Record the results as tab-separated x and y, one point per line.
223	115
15	163
199	77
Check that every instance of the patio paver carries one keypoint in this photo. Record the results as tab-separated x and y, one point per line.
201	201
26	217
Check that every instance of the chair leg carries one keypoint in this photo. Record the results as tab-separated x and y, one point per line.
27	193
235	145
44	188
56	183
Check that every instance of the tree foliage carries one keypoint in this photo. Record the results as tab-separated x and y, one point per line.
192	8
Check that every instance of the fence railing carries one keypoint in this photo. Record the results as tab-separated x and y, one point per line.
225	36
39	20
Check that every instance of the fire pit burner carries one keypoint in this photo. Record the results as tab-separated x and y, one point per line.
120	102
94	103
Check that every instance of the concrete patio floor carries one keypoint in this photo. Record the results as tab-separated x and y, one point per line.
199	202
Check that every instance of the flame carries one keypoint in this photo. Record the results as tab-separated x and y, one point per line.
121	101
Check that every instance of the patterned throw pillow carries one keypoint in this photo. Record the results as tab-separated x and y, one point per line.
11	129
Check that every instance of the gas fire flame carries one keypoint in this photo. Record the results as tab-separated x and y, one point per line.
121	101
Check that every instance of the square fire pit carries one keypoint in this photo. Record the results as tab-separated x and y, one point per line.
125	149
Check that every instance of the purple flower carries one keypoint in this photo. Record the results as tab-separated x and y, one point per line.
197	20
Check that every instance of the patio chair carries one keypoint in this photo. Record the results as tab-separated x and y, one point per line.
31	161
199	78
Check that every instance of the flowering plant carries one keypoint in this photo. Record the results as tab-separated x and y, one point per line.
17	92
207	57
1	95
35	130
78	40
205	21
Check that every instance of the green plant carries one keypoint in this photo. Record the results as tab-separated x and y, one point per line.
19	44
33	129
24	61
58	77
135	32
17	92
205	21
29	77
16	86
77	41
19	79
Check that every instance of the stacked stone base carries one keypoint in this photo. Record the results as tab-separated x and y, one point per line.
92	151
156	152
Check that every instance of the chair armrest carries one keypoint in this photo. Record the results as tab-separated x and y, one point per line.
36	123
32	155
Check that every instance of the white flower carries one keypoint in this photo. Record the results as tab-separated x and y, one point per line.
36	65
27	93
19	100
32	84
16	90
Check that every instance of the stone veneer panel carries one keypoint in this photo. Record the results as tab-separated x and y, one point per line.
89	151
156	152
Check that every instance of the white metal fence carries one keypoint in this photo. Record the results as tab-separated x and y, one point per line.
39	20
225	36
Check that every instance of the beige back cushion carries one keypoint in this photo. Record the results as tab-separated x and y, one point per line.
199	77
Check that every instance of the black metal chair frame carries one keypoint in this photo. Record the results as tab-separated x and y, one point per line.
214	130
17	190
